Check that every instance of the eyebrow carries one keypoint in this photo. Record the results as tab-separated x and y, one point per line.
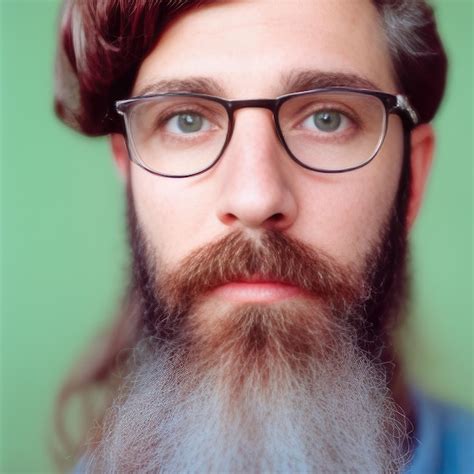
196	85
301	80
295	81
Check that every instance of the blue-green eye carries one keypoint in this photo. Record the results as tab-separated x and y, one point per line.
187	122
326	121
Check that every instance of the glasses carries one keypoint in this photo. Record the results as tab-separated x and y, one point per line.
329	130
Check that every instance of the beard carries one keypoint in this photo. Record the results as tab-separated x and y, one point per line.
299	385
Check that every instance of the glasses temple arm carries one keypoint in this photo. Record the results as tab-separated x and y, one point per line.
404	106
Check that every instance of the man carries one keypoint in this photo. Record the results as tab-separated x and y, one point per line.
274	156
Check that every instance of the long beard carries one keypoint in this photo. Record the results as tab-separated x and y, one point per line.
332	415
298	386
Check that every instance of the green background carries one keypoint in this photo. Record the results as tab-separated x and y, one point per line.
63	257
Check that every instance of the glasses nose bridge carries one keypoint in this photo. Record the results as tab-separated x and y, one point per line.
269	104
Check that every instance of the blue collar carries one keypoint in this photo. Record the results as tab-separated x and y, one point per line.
427	437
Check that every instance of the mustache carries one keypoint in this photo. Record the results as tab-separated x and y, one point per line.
272	256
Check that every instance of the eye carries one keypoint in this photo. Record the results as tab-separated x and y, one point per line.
327	121
187	123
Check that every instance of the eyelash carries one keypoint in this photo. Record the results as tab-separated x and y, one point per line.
350	115
166	116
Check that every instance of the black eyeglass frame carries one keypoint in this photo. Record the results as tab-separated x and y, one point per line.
393	104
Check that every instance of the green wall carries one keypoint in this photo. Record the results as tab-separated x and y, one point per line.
63	251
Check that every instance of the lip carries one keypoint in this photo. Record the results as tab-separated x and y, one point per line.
255	290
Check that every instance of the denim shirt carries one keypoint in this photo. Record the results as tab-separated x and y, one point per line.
444	438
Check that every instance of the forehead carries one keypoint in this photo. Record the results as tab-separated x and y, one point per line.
252	47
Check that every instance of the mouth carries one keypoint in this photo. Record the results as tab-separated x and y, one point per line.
256	290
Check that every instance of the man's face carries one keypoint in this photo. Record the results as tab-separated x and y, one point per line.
256	49
268	269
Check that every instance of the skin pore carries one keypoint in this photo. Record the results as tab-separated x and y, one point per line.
252	49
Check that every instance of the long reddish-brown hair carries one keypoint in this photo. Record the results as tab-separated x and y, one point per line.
101	46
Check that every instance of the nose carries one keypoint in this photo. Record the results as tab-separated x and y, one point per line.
256	188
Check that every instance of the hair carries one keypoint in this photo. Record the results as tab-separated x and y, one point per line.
101	46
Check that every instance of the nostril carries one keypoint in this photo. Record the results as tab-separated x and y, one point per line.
278	217
228	218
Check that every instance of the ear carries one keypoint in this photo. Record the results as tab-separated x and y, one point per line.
421	157
120	154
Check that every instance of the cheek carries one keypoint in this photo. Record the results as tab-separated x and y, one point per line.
345	214
172	214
